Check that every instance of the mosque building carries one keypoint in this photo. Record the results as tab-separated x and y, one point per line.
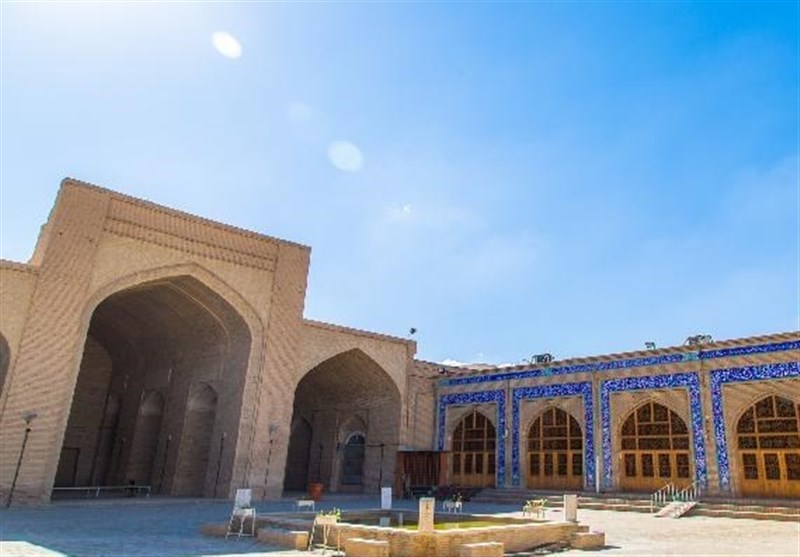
143	345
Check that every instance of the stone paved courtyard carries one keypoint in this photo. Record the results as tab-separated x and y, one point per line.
170	527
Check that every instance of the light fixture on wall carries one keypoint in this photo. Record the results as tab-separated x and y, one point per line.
28	417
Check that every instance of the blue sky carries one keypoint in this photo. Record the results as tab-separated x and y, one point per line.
574	178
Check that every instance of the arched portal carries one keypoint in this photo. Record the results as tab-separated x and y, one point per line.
555	451
768	443
159	387
349	388
474	451
353	460
195	446
145	437
655	449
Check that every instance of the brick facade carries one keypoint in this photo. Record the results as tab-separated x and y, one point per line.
169	350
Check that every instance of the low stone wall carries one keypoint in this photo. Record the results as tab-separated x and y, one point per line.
486	549
293	539
358	547
292	532
446	543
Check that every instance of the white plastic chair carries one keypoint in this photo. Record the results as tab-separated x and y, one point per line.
242	511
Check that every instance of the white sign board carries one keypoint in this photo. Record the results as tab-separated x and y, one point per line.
386	498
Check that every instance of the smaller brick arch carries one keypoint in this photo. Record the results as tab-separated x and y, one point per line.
145	439
347	392
195	462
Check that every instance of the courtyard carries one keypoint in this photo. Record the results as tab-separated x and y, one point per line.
156	527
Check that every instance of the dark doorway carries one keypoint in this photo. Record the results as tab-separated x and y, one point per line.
67	467
353	461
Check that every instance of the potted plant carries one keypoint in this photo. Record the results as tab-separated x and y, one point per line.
315	491
327	518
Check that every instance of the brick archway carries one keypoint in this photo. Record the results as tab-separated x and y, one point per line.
169	334
349	386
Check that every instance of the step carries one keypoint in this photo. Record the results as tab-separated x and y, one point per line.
772	509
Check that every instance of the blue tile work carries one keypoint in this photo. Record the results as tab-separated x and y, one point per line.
577	368
739	375
554	391
689	381
623	364
480	397
749	350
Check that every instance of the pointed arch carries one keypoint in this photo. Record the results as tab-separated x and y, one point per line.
474	451
555	450
145	438
158	325
768	448
347	393
656	448
298	455
194	462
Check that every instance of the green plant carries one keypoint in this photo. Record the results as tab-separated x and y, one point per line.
334	512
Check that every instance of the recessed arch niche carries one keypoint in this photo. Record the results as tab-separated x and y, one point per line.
160	357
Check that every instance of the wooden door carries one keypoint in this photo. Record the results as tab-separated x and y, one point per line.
655	449
768	445
555	452
474	454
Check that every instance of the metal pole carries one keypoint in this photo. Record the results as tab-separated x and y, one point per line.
19	465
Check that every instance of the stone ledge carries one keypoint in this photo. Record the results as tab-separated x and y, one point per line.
482	549
588	540
292	539
360	547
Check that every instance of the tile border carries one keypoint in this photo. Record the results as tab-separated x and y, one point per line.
689	381
481	397
555	391
746	374
624	364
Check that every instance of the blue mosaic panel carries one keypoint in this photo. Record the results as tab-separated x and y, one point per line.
622	364
739	375
750	350
481	397
689	381
553	391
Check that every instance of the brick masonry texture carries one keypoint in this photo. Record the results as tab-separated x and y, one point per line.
169	350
